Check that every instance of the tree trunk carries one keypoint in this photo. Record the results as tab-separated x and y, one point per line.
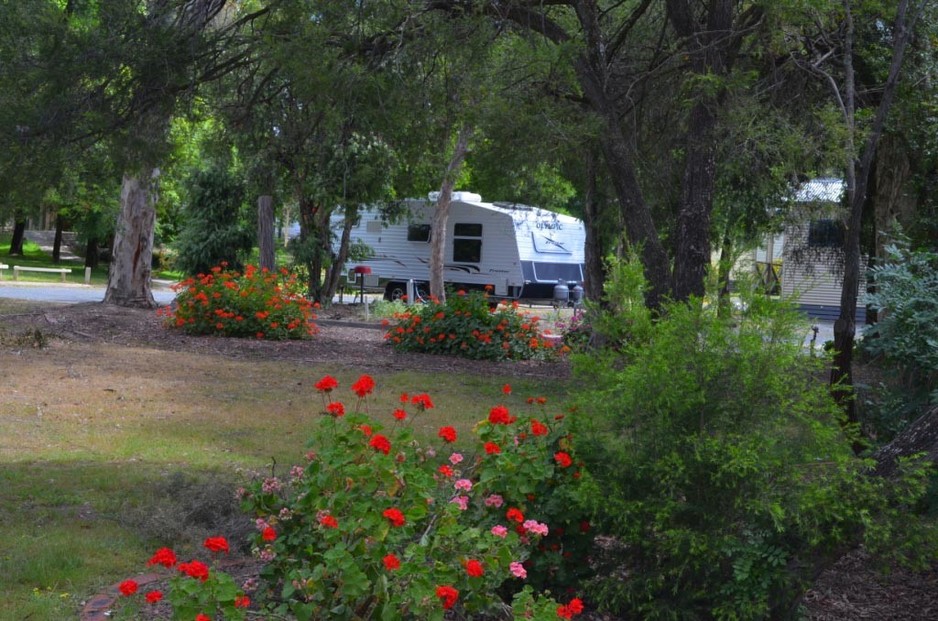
92	256
57	242
265	232
857	178
692	239
594	278
128	281
19	235
335	270
441	213
920	437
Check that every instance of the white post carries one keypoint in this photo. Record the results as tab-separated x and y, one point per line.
16	272
410	292
87	275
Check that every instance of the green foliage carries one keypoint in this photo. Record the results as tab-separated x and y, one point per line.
906	298
255	304
720	465
467	325
216	228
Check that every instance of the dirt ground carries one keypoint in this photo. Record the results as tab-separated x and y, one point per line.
850	590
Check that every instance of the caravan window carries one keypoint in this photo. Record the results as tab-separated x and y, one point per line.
826	234
418	232
467	243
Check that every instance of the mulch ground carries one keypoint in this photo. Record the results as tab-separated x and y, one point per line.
853	589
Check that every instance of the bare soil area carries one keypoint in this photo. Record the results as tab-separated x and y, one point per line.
853	589
344	339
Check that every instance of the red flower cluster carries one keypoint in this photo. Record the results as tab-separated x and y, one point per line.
448	595
216	544
399	414
127	587
328	521
474	569
499	416
363	386
563	459
394	516
195	569
335	409
164	557
380	443
568	611
269	534
422	401
514	514
153	596
448	434
492	449
391	562
327	384
538	428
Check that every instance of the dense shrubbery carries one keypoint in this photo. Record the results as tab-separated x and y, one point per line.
466	325
376	525
254	304
719	464
906	299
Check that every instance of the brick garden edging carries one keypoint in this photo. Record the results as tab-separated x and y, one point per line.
99	607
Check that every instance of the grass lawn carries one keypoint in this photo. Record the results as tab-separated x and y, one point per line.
94	436
33	256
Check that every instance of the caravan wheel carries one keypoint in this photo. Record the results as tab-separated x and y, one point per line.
395	291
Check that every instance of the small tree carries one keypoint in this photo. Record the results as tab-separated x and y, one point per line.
216	229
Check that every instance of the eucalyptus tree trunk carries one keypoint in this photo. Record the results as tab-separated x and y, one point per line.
334	273
594	278
265	232
128	281
441	214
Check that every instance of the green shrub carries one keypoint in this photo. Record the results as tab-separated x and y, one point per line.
256	304
467	325
906	297
719	465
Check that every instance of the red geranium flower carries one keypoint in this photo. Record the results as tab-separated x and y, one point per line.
499	416
568	611
563	459
514	514
127	587
391	562
363	386
445	470
474	569
153	596
202	617
269	534
448	434
394	516
216	544
448	595
422	401
538	428
328	521
164	557
327	384
492	449
399	414
506	389
336	409
242	601
379	443
195	569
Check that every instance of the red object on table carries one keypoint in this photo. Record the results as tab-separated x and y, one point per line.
361	270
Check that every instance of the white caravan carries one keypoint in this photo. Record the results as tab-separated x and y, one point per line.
517	250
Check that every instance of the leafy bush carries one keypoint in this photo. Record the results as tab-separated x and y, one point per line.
256	304
216	228
375	525
720	467
466	325
906	297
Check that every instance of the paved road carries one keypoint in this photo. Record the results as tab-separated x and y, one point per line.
67	294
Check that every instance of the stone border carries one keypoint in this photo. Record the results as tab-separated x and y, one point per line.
99	607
